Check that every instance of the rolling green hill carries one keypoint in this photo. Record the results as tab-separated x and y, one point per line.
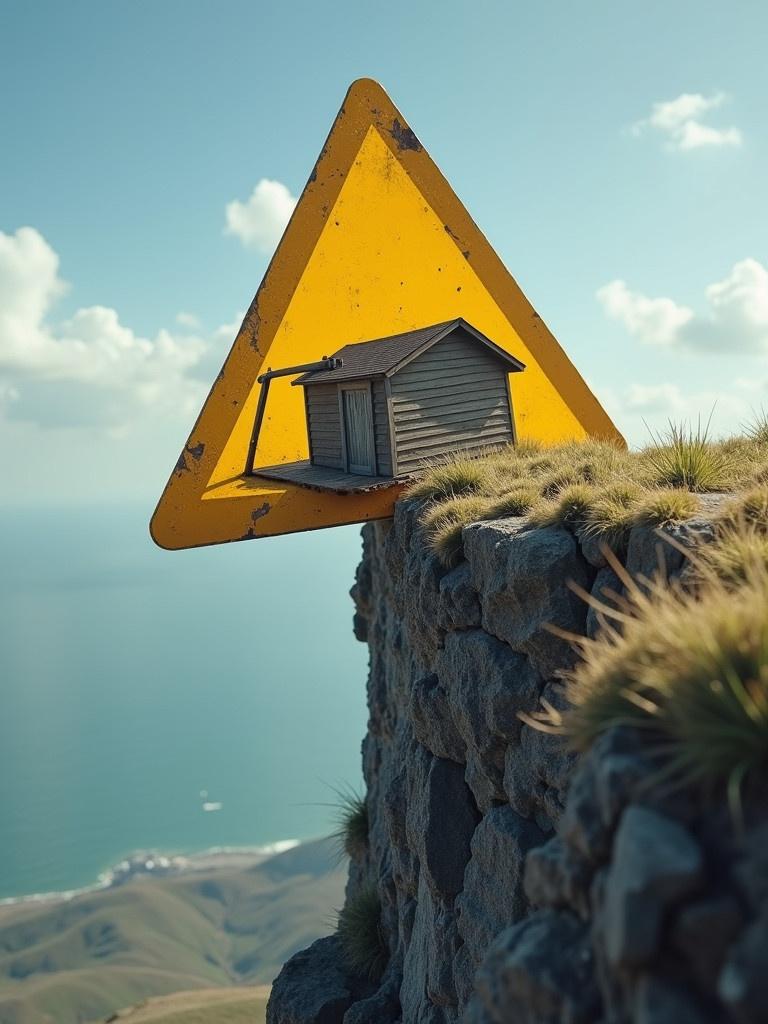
206	1006
83	959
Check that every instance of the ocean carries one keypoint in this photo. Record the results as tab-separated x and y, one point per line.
168	701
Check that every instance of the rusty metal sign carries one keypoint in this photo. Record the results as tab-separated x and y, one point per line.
379	250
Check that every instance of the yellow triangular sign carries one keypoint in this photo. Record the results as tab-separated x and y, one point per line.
379	245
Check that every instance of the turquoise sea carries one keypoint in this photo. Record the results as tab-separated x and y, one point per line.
137	685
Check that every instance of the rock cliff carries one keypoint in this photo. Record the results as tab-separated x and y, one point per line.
518	883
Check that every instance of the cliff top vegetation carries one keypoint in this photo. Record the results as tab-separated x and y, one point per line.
685	660
596	488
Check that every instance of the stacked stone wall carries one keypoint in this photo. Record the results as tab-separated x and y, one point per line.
517	884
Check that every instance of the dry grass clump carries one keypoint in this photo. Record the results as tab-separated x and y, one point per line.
516	502
569	508
684	457
593	487
361	935
691	668
664	506
611	513
740	550
351	833
757	429
451	479
605	512
445	521
750	507
460	508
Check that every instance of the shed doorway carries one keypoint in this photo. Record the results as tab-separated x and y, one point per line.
357	417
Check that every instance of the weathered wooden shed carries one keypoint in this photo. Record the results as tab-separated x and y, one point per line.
394	404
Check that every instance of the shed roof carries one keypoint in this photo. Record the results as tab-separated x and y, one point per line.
384	356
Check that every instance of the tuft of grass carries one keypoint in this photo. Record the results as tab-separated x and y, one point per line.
691	668
448	544
583	485
445	521
527	448
664	506
351	833
611	514
462	508
749	507
740	551
757	429
569	508
361	935
558	481
516	502
686	458
451	479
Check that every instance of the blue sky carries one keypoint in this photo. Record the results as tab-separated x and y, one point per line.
615	154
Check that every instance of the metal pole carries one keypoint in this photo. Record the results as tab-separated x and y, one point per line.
265	380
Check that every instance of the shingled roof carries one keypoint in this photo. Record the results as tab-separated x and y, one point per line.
384	356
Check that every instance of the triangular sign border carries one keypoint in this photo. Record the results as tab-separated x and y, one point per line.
183	518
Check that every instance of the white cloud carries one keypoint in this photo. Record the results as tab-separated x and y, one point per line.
656	321
641	409
259	222
658	398
679	122
90	369
736	318
188	320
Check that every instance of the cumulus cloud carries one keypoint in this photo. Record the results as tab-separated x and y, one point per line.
91	368
735	318
188	320
642	409
680	123
259	222
657	321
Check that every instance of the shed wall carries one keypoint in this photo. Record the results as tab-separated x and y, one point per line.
381	429
453	397
324	425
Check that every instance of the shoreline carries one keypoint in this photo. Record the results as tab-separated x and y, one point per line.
154	864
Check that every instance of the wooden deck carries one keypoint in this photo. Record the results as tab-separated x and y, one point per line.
318	478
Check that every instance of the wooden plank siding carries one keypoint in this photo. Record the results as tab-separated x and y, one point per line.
381	429
452	397
324	425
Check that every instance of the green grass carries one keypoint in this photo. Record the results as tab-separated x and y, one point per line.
451	479
361	935
611	515
664	506
757	429
740	550
593	488
684	457
246	1005
100	952
444	522
517	501
688	667
751	506
569	508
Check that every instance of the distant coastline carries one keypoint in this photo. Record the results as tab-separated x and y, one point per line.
155	864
